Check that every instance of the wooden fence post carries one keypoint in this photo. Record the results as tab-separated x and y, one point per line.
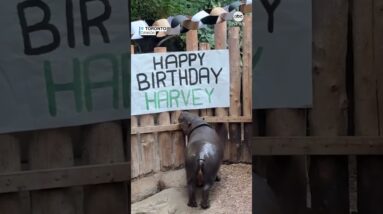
368	78
287	174
378	54
329	174
220	36
104	144
378	40
205	112
178	139
147	145
134	143
10	161
192	40
192	45
164	138
52	149
235	93
247	86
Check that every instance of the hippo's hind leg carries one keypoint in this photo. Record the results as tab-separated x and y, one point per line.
191	177
205	193
191	189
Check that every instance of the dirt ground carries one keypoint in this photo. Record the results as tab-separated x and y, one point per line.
231	195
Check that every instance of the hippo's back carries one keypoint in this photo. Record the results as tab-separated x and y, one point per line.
206	134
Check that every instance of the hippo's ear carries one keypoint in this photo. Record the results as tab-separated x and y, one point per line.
189	126
180	117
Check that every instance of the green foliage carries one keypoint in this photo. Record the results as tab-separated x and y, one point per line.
157	9
206	35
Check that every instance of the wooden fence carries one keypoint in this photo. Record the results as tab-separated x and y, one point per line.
82	170
337	167
157	144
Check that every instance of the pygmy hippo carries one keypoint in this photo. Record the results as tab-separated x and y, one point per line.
203	156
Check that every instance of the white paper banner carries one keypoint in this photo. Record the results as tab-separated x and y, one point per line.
180	81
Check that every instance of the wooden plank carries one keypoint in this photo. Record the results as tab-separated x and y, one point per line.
220	36
128	158
365	104
205	112
248	133
247	87
64	177
235	72
10	161
317	145
328	116
365	82
178	142
134	143
259	163
378	55
247	74
104	144
176	126
246	8
147	144
376	168
192	45
155	128
166	147
235	93
368	98
134	148
51	149
192	40
164	138
291	190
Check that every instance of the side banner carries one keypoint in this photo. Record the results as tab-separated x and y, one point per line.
63	63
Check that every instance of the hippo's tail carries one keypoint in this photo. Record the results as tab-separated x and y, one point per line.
201	163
